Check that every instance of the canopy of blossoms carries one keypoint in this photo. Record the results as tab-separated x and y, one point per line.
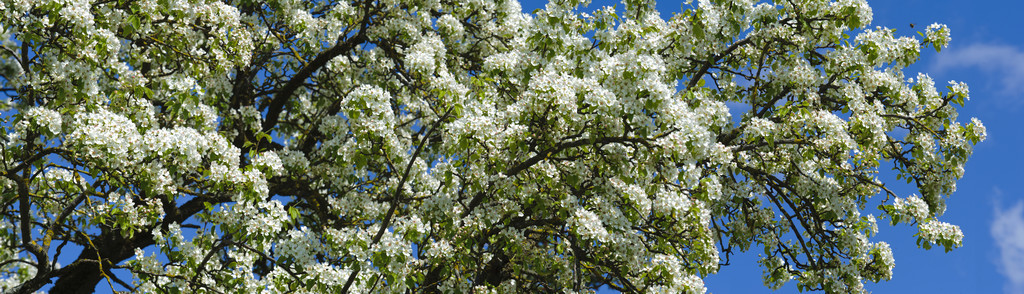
290	146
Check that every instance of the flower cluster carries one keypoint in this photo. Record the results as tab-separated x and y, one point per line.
937	34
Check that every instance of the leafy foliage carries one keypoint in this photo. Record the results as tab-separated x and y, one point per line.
463	146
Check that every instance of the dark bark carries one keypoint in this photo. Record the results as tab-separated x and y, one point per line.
113	248
285	93
81	280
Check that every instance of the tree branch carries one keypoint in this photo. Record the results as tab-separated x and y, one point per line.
293	84
707	65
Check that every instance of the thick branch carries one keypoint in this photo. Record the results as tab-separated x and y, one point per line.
714	59
286	92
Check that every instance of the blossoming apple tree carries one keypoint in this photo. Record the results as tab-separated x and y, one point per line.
206	146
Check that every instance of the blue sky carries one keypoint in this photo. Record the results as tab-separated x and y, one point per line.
987	52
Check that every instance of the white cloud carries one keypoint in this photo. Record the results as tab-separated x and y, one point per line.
1008	231
1002	61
